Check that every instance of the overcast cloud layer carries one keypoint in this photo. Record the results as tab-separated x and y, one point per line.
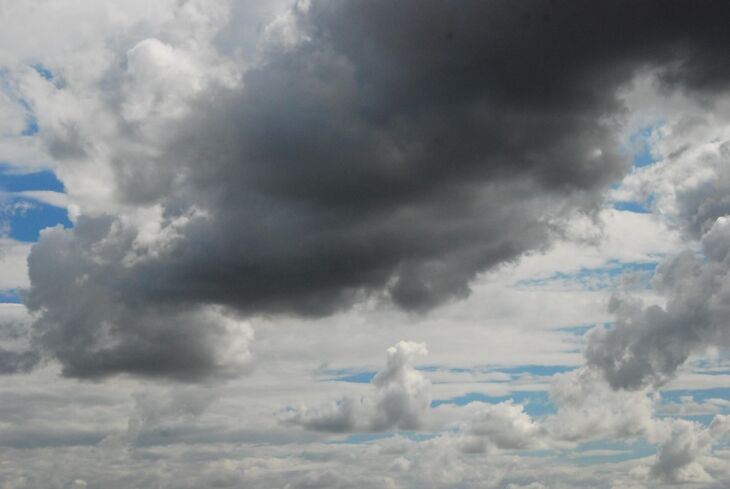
471	244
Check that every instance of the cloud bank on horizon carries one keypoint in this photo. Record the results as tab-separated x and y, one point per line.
253	196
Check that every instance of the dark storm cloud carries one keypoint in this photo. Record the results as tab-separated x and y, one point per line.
396	149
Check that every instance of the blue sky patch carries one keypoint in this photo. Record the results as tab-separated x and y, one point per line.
537	370
631	206
641	144
43	71
31	126
634	205
355	377
581	329
13	181
365	377
594	279
703	419
10	297
26	218
23	218
536	403
605	451
698	395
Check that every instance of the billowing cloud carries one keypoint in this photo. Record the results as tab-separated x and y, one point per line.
360	151
402	398
590	409
647	345
504	425
649	342
684	445
95	332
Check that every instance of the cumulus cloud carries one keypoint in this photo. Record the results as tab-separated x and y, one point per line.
648	344
402	398
590	409
397	157
690	191
95	332
677	455
504	425
402	393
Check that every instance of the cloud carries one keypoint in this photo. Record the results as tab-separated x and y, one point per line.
94	332
396	158
677	455
589	409
16	355
504	425
402	398
648	344
156	414
403	394
532	485
12	362
688	188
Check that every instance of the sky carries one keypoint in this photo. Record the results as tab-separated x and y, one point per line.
364	244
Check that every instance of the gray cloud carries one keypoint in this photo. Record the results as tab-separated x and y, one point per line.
648	344
96	329
701	205
684	444
691	183
12	362
379	149
16	356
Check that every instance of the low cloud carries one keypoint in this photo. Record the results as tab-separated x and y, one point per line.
684	445
647	345
401	399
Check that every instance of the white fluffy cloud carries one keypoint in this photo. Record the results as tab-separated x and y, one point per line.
402	397
504	425
590	409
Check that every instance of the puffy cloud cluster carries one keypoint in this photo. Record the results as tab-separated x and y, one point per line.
683	445
590	409
402	398
688	187
503	426
98	330
648	344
